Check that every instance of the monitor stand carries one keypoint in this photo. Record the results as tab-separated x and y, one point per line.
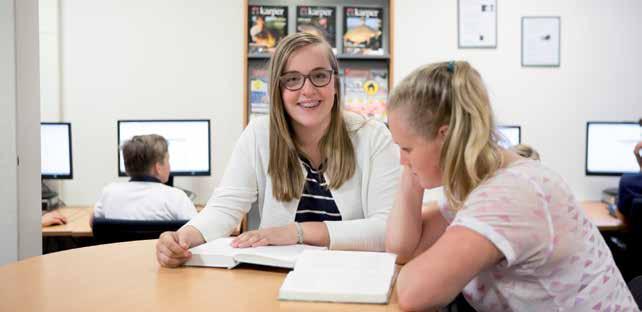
48	196
190	194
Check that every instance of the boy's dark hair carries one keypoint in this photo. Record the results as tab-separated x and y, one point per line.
142	152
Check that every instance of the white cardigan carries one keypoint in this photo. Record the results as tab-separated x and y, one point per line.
364	200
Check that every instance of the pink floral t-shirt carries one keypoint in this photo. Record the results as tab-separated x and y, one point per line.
554	257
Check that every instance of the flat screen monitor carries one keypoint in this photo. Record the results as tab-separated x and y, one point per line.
188	143
510	135
609	147
55	150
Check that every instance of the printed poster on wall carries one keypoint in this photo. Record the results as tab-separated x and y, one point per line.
477	23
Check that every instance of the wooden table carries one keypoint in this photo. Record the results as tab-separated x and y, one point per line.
78	223
126	277
596	211
599	214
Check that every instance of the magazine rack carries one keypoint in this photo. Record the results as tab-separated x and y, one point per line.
362	34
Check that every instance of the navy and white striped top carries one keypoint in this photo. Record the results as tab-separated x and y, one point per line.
316	203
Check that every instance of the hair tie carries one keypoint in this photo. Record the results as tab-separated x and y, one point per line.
451	67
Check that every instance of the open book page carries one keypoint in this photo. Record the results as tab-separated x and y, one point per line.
279	256
220	253
340	276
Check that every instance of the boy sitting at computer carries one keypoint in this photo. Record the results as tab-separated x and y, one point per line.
144	197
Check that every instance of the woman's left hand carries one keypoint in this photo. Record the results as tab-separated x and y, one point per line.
282	235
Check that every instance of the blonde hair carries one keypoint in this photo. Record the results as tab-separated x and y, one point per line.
335	146
525	151
142	152
452	94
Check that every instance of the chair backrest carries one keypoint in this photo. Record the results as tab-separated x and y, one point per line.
635	219
116	230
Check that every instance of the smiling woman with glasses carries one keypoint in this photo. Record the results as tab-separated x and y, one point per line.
317	174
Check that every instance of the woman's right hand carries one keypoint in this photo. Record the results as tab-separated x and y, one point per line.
409	183
172	248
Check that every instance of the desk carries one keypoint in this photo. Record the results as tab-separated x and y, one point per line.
596	211
126	277
78	223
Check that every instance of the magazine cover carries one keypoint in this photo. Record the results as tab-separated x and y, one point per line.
259	98
318	20
267	25
363	31
365	91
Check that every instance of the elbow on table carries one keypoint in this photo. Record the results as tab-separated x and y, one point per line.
415	301
413	295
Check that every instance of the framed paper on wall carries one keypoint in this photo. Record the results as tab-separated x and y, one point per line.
541	41
477	23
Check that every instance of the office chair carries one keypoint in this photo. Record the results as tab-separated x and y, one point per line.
635	217
117	230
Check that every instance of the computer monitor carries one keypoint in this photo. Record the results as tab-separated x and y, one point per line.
55	150
510	135
609	147
188	139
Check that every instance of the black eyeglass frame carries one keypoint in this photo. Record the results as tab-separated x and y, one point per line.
332	72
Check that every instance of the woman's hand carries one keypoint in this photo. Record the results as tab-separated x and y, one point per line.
404	226
410	186
282	235
172	248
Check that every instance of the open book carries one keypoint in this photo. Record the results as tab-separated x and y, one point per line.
340	276
219	253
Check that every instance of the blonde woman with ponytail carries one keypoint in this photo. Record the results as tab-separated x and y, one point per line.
510	235
317	175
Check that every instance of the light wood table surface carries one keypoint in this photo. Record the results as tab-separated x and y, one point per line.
599	214
78	222
596	211
126	277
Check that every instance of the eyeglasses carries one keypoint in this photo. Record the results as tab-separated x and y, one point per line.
294	81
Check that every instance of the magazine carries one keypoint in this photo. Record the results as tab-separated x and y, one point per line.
259	97
267	25
318	20
363	31
365	91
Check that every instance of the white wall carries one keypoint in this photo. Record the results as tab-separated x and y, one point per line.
49	60
20	235
148	59
166	59
8	170
28	129
601	45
